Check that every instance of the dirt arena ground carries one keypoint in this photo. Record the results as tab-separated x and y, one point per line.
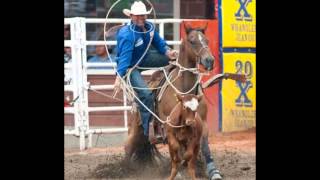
234	155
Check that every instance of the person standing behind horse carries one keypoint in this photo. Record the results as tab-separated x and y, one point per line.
101	57
132	42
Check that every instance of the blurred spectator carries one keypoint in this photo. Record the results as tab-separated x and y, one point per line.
67	50
102	57
66	32
67	54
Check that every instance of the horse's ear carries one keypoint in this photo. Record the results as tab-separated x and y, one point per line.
202	30
205	28
199	97
187	27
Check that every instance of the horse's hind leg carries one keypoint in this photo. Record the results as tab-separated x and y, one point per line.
129	146
131	143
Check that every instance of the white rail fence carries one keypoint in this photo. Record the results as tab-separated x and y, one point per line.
79	73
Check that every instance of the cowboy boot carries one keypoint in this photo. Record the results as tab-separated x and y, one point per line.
213	172
157	134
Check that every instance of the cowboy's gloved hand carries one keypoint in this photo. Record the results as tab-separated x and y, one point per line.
117	86
172	54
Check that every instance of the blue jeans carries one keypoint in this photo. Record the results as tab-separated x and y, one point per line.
154	59
205	150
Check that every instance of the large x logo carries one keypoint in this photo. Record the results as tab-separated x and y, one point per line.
244	90
246	16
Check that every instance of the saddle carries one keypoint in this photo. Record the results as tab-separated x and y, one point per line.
158	79
157	133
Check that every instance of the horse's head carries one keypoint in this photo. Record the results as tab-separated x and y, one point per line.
198	44
186	109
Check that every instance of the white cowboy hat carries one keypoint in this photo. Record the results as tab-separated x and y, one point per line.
137	8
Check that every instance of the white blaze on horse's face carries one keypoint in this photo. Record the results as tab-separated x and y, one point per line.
201	40
192	104
199	36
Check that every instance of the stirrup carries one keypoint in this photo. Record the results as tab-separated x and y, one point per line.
157	140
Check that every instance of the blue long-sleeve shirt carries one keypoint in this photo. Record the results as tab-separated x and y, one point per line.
131	45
